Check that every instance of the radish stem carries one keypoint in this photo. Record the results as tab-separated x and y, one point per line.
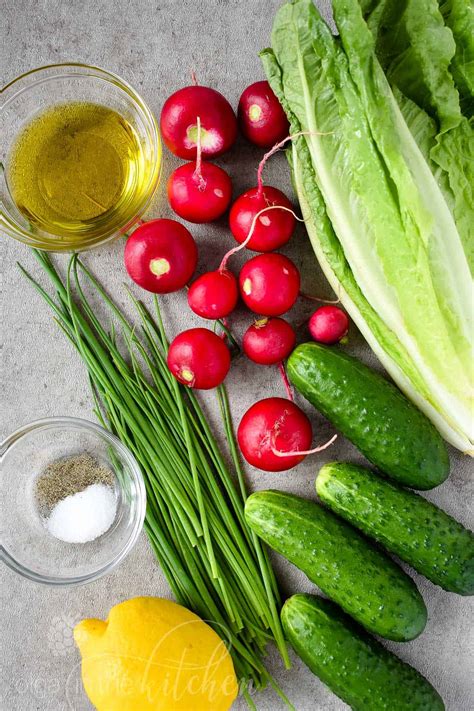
197	175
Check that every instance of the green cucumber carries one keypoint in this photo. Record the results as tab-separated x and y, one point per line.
430	540
386	427
353	664
345	565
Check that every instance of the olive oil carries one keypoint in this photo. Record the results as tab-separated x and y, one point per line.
78	168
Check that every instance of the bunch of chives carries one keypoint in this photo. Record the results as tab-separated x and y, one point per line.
195	521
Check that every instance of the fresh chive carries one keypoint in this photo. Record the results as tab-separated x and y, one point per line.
195	519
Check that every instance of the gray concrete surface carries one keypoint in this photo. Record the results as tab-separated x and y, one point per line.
154	45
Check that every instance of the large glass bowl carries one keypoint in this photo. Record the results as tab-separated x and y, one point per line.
40	89
26	544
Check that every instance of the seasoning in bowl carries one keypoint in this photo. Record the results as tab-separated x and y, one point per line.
76	498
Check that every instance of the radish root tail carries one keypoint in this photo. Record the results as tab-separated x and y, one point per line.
286	382
304	452
243	244
276	148
310	297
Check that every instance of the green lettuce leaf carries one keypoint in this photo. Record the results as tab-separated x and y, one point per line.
416	50
454	155
424	130
416	187
459	17
375	215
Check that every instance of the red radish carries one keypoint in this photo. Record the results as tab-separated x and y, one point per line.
273	229
199	192
214	294
253	226
269	341
328	324
161	256
274	435
199	199
274	424
269	284
261	117
179	128
199	359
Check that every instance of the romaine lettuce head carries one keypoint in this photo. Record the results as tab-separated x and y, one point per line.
379	224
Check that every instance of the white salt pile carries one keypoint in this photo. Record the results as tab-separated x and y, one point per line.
84	516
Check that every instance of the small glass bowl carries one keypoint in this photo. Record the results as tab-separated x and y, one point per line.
34	92
26	545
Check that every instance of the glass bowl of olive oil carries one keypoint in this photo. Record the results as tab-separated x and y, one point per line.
80	157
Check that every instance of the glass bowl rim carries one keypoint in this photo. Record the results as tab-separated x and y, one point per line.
10	225
82	424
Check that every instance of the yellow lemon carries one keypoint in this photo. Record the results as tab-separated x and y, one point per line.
154	655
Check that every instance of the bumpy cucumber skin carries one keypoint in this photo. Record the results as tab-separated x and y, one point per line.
345	565
386	427
420	533
350	662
